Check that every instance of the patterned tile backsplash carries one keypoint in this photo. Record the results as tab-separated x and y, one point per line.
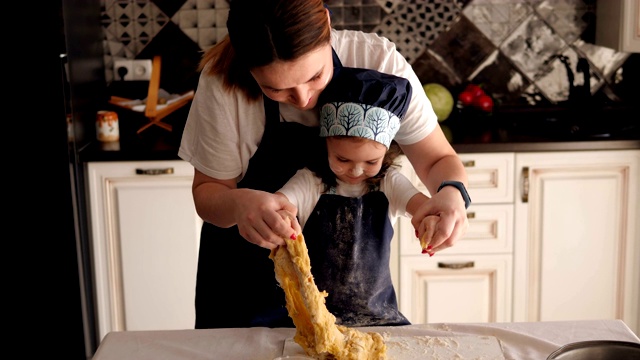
521	51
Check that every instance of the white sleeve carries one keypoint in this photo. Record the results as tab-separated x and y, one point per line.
399	190
222	131
303	190
371	51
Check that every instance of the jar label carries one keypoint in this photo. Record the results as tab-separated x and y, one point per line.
107	127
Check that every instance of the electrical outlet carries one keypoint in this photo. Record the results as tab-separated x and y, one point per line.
131	70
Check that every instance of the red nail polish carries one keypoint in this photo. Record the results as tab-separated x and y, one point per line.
416	233
431	254
293	237
424	251
429	247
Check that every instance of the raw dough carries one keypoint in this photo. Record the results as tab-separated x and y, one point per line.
316	329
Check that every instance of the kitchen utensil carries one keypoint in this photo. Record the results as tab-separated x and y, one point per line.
597	350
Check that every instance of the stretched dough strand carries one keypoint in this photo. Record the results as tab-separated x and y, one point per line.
316	329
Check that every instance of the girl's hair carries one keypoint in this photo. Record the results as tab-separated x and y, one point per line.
261	32
322	170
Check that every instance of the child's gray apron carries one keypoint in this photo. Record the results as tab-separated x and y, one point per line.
349	242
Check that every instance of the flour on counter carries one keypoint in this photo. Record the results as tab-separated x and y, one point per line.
466	347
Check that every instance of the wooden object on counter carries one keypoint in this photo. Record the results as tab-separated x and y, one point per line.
151	111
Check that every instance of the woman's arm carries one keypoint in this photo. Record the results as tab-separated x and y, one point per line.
435	161
221	203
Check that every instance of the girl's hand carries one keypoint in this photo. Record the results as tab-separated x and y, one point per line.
291	219
428	228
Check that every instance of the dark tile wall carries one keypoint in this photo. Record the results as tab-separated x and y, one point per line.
520	51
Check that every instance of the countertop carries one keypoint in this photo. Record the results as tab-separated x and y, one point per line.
139	151
508	131
524	340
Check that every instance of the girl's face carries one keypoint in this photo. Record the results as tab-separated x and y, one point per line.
298	82
353	160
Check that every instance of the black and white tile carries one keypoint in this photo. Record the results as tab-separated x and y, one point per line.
513	47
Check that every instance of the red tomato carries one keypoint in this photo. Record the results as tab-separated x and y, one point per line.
466	98
475	90
484	103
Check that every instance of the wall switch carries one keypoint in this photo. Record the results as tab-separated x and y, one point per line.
131	70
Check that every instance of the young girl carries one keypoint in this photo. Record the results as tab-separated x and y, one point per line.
347	204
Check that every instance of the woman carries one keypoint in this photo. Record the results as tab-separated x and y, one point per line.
253	124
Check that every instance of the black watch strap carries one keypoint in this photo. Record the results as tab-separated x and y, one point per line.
460	186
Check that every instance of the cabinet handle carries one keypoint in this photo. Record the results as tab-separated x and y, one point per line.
165	171
471	215
468	264
469	163
525	184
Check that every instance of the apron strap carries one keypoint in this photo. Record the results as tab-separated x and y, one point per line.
336	59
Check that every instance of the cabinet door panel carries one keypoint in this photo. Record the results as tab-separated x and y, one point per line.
145	239
158	249
577	250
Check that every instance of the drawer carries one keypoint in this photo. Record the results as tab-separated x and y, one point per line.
491	177
490	232
456	288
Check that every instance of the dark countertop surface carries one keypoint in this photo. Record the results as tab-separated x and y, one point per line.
547	146
508	131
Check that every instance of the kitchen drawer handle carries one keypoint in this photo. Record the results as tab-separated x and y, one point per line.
165	171
525	184
463	265
471	215
469	163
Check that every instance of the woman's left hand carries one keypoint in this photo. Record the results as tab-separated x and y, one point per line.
453	224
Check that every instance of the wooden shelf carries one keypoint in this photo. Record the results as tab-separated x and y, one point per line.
152	110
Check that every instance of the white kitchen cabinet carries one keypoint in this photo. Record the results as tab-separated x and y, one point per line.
552	236
618	25
471	281
145	235
577	242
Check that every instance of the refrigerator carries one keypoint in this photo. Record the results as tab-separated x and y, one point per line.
70	73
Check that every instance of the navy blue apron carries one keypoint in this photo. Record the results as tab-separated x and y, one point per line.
236	284
349	242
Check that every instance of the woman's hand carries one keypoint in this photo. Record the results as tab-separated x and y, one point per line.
453	222
255	212
264	218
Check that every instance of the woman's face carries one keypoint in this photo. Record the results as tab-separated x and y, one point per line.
298	82
354	160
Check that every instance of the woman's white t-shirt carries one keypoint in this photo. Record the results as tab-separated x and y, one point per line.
304	189
223	129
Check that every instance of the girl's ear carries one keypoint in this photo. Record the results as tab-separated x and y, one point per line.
328	14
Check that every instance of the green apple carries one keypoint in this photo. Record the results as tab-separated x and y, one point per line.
441	100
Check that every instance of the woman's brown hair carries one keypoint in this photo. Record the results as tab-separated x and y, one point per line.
261	32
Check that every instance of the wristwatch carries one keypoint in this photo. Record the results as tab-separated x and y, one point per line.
460	186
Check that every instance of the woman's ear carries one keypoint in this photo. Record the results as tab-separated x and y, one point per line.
328	15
